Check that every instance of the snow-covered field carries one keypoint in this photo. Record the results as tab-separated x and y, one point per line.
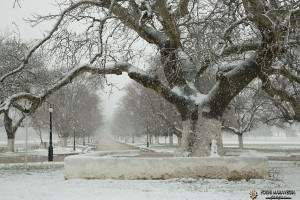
45	181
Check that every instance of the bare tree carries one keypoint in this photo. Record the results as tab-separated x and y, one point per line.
247	111
76	105
148	113
11	52
242	40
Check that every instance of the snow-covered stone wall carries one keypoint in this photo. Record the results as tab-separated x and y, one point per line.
119	167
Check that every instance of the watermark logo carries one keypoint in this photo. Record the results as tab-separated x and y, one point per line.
253	194
278	194
273	194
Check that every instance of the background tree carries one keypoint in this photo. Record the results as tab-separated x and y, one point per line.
32	80
247	111
149	113
76	105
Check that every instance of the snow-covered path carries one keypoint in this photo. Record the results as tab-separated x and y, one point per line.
49	184
107	143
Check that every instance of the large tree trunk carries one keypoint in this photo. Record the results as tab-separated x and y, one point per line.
10	140
185	139
197	136
11	145
39	132
10	131
41	139
171	139
179	141
240	138
207	129
156	139
64	141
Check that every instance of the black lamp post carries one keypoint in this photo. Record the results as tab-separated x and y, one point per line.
147	134
50	150
83	137
74	138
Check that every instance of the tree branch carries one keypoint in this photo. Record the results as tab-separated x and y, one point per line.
286	73
182	9
284	95
48	36
231	129
116	68
148	33
226	87
168	23
232	49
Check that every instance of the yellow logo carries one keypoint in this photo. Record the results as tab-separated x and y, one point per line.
253	194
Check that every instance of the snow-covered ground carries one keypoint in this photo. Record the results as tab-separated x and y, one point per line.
45	181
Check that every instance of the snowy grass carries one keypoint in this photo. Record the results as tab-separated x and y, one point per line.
267	146
42	166
45	181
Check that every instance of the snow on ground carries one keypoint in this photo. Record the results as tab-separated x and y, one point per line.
44	152
45	181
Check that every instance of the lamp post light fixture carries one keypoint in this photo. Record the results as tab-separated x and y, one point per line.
74	138
50	150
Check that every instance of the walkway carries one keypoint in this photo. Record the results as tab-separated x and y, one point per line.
105	143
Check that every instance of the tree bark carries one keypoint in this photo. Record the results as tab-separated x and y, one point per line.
171	139
240	138
64	141
11	145
10	132
179	141
198	134
207	129
156	139
41	139
185	139
39	132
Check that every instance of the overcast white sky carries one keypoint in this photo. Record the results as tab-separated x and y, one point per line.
10	17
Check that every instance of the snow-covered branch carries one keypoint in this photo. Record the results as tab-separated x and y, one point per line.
282	94
4	106
156	85
228	51
182	9
223	92
255	10
168	23
188	66
238	49
286	115
231	129
116	68
228	30
131	20
47	37
287	74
